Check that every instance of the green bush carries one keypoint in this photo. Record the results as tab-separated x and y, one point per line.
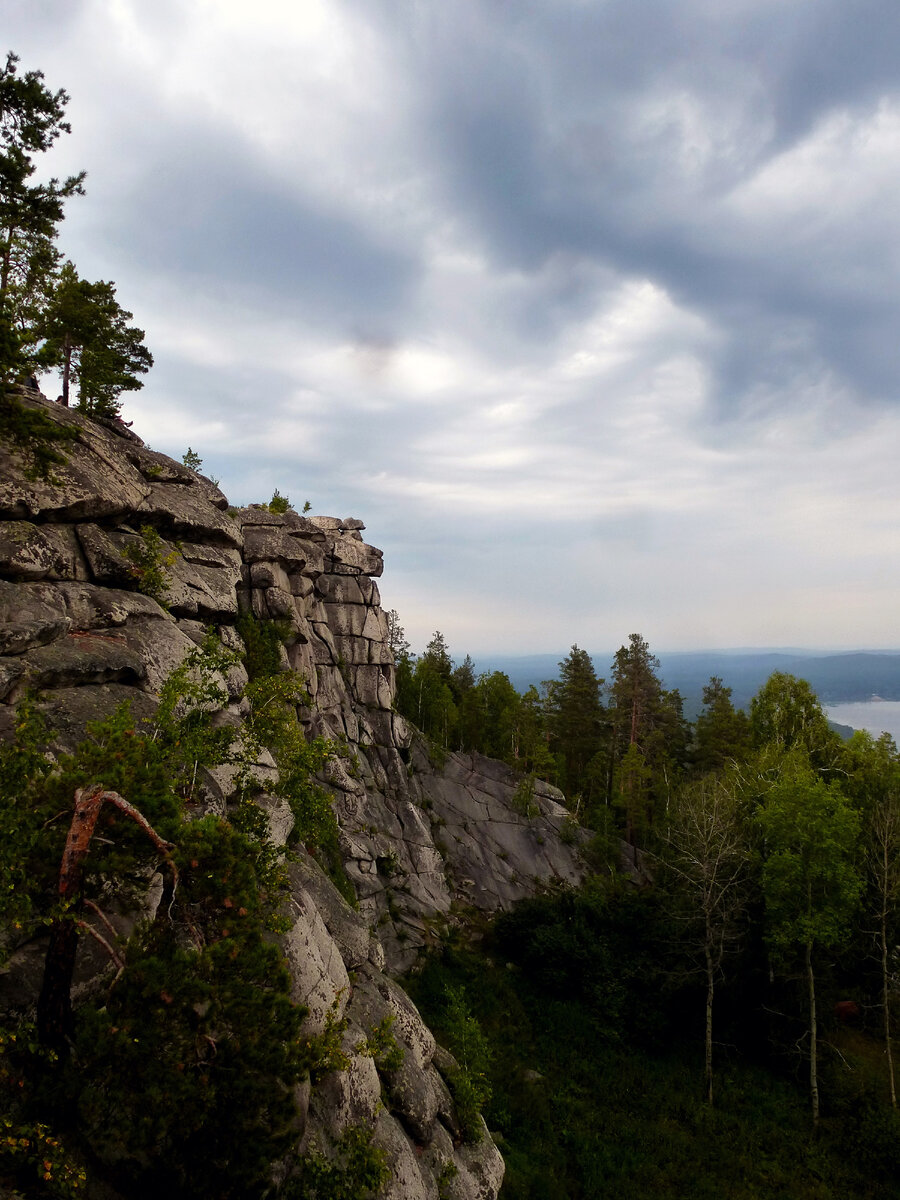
278	503
33	434
352	1169
469	1083
150	563
180	1077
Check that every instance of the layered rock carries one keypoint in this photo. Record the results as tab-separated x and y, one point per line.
423	837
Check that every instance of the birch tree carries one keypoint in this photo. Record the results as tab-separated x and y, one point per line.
810	879
706	850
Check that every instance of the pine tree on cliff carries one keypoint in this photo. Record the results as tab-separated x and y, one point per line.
88	337
31	119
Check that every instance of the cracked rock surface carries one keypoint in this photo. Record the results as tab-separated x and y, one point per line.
420	842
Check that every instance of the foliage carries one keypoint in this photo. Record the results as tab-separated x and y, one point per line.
272	722
263	642
576	722
353	1170
31	119
582	1115
324	1052
785	713
469	1082
192	459
523	798
189	1065
35	1156
86	333
49	317
181	1077
722	733
706	853
278	503
33	435
381	1045
23	767
649	739
150	562
810	878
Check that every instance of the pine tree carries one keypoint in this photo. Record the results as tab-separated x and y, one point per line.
87	335
648	735
722	732
578	725
31	119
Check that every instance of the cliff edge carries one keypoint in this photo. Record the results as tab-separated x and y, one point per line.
425	837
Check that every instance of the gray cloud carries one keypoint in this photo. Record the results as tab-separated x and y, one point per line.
588	304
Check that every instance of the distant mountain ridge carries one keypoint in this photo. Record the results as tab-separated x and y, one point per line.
835	678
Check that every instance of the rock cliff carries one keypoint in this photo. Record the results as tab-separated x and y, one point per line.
424	837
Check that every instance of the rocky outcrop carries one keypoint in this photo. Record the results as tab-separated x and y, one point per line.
424	837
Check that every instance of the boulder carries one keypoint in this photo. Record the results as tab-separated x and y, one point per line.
31	615
187	512
30	551
96	481
270	544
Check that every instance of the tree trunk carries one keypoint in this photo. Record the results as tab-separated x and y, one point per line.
885	988
710	986
6	264
67	366
813	1048
54	1007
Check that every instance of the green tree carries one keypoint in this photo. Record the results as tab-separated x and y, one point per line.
649	737
873	780
495	705
722	732
578	727
396	639
87	335
181	1078
437	656
810	878
707	851
31	119
533	735
786	713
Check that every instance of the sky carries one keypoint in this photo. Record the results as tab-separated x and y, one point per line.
587	308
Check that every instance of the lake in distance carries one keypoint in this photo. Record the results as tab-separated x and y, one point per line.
877	716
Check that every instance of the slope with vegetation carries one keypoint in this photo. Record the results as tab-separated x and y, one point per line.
656	1031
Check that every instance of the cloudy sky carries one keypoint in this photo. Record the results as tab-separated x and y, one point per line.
588	308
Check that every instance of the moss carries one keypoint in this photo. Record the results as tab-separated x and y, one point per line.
40	440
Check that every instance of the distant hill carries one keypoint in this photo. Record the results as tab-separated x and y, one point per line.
836	678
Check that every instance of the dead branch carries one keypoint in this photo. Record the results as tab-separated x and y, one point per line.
54	1008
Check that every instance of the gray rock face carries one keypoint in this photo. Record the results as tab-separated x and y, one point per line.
418	838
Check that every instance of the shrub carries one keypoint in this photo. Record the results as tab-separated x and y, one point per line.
150	564
354	1168
523	801
469	1083
36	436
279	503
